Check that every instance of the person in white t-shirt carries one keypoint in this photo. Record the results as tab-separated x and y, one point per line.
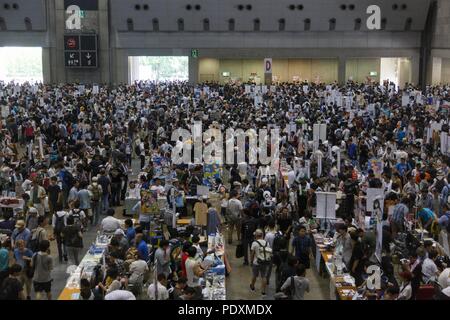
120	295
110	224
405	290
429	269
161	289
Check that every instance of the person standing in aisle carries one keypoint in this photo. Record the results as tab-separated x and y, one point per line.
42	263
96	200
105	183
73	239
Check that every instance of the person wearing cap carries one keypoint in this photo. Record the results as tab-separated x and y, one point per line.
20	233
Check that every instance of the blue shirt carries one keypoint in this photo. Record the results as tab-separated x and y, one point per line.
400	211
24	235
4	259
352	151
402	168
426	214
19	256
302	246
131	233
143	250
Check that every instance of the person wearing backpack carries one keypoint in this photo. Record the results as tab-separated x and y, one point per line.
59	221
78	215
39	234
248	227
11	288
96	196
73	239
296	286
261	257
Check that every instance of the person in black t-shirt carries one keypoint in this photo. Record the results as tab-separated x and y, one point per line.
11	288
54	192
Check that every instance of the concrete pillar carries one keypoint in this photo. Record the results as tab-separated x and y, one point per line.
193	70
341	70
103	35
415	68
436	70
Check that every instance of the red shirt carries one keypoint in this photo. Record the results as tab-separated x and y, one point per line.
184	257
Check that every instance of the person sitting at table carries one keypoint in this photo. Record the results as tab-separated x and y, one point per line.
357	260
110	224
119	234
142	247
161	288
130	231
86	292
194	271
405	287
134	191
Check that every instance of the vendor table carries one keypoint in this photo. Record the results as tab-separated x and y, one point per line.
341	287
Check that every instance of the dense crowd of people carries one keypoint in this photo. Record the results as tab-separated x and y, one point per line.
67	152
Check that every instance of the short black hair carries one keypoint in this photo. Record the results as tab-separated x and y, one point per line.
111	212
84	283
189	290
195	239
44	245
40	220
163	243
129	222
15	268
162	277
182	280
191	252
301	269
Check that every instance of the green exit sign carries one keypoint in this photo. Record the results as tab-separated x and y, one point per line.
82	14
194	53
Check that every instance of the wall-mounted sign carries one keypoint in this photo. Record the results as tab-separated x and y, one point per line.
373	73
76	14
80	51
194	53
225	74
268	65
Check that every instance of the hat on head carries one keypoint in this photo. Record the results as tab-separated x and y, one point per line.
119	232
20	224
